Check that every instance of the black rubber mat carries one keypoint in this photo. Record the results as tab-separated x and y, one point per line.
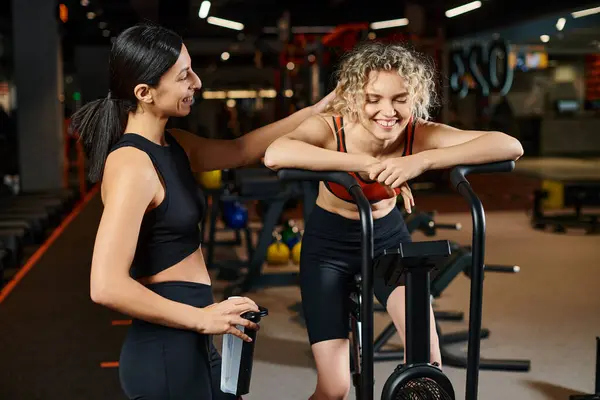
53	338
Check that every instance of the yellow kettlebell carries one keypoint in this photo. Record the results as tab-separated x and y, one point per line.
296	252
278	253
211	179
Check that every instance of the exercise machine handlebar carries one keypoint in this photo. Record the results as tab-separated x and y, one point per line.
459	173
458	178
339	177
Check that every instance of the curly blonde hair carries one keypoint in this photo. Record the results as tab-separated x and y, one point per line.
353	74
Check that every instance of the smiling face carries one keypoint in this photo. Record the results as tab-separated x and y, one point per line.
174	96
382	85
387	108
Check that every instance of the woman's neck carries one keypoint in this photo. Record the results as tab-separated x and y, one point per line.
364	141
148	125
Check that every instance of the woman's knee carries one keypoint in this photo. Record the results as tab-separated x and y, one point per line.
333	369
333	387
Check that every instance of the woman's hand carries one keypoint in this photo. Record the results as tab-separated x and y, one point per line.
407	197
320	106
395	171
375	168
221	318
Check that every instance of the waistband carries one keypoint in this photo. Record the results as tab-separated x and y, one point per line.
190	293
322	222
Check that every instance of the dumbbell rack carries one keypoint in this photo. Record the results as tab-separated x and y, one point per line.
254	185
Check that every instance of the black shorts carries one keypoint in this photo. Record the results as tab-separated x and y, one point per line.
158	362
329	260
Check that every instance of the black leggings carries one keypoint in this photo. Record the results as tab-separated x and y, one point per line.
329	260
158	362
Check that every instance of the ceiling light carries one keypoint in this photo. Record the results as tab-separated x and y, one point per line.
465	8
392	23
225	23
204	9
585	13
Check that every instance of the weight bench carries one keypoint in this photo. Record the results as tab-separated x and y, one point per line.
39	220
3	260
31	236
11	240
576	183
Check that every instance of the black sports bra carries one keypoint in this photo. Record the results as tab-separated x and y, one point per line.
170	232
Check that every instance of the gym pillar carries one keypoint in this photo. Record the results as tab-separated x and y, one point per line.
38	77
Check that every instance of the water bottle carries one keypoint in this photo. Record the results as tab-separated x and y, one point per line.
237	355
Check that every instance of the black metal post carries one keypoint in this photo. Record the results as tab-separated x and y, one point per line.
366	301
475	312
417	304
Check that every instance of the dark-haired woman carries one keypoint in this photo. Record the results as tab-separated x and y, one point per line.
147	261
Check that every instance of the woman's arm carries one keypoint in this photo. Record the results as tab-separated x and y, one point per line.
312	146
442	146
212	154
129	186
439	146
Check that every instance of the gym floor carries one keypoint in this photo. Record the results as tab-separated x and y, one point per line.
56	344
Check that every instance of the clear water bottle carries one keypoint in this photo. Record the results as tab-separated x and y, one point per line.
238	355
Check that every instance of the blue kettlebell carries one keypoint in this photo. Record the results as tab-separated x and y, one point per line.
236	216
226	208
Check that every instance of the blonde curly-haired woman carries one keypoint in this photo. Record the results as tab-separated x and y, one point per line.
377	129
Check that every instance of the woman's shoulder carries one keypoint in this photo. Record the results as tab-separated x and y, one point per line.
130	161
128	171
331	119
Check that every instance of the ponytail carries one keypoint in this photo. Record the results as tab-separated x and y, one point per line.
100	124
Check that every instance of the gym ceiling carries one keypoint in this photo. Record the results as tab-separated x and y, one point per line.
95	22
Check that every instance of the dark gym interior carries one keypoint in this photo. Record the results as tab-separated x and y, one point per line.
260	61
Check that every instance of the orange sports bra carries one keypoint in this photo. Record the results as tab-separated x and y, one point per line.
373	190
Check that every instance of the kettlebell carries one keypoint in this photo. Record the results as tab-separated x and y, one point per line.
211	179
289	231
296	250
291	238
227	207
278	252
236	216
